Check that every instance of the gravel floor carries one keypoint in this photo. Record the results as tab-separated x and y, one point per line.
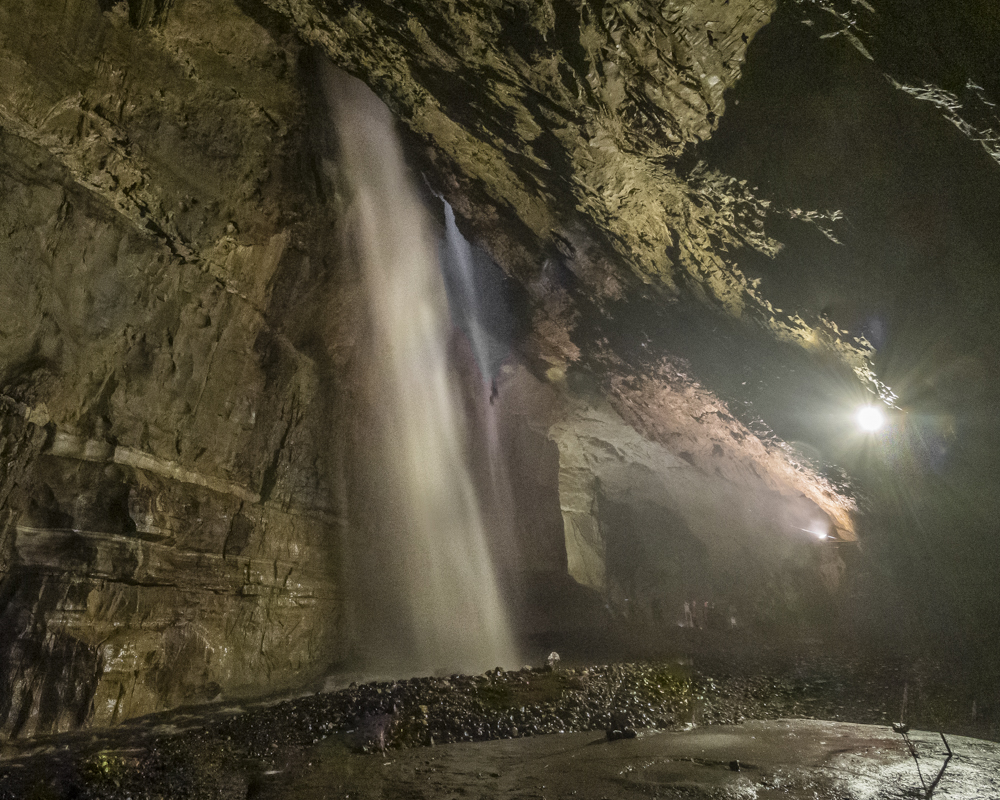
225	752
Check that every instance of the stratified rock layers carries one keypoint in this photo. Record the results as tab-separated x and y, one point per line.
168	530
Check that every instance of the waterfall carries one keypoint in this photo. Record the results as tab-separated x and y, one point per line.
473	302
458	252
427	585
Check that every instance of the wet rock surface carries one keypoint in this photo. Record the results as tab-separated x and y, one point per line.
232	752
163	513
764	759
603	105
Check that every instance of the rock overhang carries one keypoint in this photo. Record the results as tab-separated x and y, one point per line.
559	158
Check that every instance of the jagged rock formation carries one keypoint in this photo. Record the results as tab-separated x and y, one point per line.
599	102
179	403
955	70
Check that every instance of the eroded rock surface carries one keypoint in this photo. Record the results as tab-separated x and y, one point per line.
567	125
169	529
177	360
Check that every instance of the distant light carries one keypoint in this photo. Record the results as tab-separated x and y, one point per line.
819	530
870	418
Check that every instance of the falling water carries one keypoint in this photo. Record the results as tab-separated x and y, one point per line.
471	301
434	580
459	253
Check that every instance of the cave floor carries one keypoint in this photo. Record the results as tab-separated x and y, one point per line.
815	723
760	759
756	760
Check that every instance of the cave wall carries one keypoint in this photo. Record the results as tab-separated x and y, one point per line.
649	529
888	112
643	519
179	387
171	523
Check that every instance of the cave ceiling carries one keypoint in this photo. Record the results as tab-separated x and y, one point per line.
733	214
585	119
792	198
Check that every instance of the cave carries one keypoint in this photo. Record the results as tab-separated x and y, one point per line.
357	343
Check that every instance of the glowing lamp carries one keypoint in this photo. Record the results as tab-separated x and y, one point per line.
870	418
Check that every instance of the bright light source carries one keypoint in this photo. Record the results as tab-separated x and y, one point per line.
870	418
818	529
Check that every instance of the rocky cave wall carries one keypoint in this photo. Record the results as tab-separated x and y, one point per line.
177	323
170	514
655	495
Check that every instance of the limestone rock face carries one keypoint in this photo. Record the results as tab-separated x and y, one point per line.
169	527
661	497
649	529
177	349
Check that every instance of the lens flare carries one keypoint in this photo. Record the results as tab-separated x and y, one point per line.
870	418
